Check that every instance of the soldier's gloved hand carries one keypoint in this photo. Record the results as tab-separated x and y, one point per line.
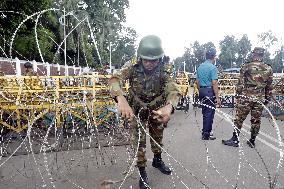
162	115
124	109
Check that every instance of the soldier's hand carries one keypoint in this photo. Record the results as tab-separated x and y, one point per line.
162	115
124	109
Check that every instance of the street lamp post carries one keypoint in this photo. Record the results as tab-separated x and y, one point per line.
110	57
65	42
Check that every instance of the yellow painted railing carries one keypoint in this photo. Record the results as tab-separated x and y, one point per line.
183	82
26	99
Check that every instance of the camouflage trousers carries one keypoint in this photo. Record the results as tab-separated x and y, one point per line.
243	109
155	131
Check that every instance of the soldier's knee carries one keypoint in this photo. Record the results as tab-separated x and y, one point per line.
255	129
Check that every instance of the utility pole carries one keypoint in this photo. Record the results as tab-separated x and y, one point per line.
110	57
65	42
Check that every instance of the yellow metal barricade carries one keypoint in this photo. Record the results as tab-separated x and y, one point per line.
183	82
27	99
227	87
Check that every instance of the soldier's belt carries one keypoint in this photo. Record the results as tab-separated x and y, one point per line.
150	105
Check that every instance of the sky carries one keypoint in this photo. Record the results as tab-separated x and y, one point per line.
181	22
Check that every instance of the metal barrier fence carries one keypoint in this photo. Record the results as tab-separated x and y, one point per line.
26	99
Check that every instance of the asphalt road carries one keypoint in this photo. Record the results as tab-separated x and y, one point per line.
195	163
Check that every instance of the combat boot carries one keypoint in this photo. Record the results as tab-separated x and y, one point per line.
251	141
143	182
158	163
233	141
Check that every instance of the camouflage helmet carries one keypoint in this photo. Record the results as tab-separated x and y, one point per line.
28	65
150	48
259	51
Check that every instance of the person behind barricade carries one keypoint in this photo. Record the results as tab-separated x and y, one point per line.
153	94
195	94
31	83
207	81
29	70
3	82
254	88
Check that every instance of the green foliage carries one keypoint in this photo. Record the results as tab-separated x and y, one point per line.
243	50
25	44
233	52
105	18
278	62
124	48
229	51
267	39
193	56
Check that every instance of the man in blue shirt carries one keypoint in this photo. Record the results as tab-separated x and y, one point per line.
207	81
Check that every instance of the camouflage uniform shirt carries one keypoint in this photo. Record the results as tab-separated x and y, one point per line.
154	91
255	81
30	73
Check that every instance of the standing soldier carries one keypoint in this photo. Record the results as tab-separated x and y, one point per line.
254	86
153	94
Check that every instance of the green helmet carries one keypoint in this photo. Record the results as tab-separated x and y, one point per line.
28	65
150	48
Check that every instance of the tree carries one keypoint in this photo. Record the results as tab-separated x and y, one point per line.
106	19
124	48
243	50
102	18
229	51
178	64
24	45
267	39
278	62
193	56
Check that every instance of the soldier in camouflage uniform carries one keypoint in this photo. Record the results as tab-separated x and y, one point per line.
153	94
254	87
29	70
